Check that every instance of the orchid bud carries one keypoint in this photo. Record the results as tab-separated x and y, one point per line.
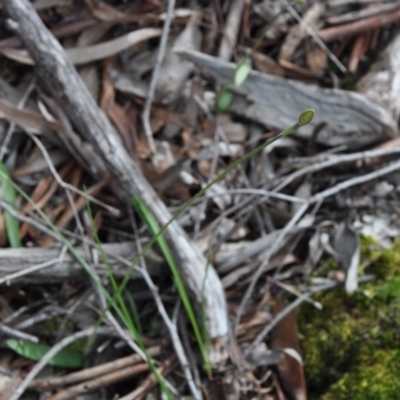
306	117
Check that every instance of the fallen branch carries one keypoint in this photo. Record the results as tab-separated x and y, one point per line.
354	28
18	264
62	80
350	118
55	382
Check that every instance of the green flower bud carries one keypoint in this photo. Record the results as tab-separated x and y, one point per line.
306	117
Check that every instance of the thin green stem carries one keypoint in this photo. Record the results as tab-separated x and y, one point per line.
239	161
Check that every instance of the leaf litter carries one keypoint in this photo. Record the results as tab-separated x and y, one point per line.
301	204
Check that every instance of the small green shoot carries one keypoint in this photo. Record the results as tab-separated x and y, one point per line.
33	351
7	193
134	312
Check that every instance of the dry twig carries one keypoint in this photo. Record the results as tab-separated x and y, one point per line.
154	77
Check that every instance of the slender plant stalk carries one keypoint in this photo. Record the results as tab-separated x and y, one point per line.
305	118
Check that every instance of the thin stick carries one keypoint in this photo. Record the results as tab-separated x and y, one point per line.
91	372
314	35
284	313
258	192
154	78
289	226
330	160
66	185
12	125
319	197
150	381
29	270
18	334
171	326
355	181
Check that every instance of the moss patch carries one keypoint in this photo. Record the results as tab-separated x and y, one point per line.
351	347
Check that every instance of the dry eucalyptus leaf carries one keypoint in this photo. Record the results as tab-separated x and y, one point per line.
261	355
304	191
235	132
317	59
176	69
28	120
315	251
267	65
346	244
37	163
298	32
87	54
269	10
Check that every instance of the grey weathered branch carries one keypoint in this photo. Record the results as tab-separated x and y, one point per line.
62	80
65	267
352	119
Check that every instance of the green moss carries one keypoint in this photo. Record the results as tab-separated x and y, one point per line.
376	377
350	348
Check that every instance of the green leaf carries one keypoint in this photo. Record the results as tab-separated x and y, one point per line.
224	100
64	358
7	193
242	72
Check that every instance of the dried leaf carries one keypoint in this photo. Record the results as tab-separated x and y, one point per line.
346	244
285	338
28	120
298	32
317	59
176	69
236	132
267	65
37	163
84	55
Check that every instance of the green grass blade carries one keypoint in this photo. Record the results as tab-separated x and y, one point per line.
7	193
91	274
123	307
154	229
134	312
